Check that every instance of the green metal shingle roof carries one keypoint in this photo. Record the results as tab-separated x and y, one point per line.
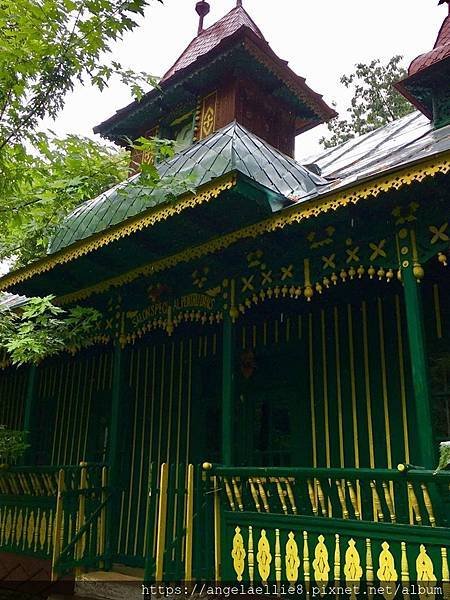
230	149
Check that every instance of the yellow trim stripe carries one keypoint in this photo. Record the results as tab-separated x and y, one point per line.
124	229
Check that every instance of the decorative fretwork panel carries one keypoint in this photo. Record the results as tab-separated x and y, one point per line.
311	559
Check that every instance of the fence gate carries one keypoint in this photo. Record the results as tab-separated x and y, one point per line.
178	525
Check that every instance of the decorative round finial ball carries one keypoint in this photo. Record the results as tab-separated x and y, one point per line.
207	466
202	8
418	272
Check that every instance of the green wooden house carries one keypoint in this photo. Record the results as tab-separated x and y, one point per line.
266	395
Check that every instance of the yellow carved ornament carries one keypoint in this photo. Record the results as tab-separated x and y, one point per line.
439	234
352	568
238	554
386	572
30	530
19	527
264	558
320	563
8	526
292	559
424	566
43	531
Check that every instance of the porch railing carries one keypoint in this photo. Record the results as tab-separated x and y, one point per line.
178	525
80	519
56	513
315	526
406	495
28	498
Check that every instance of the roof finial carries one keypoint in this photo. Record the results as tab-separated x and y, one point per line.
202	9
239	3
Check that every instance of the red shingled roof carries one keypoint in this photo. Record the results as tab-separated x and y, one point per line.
440	51
211	37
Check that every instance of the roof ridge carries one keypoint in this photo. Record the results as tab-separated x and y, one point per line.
443	37
235	9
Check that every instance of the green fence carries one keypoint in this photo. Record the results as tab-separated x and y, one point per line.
27	510
315	526
179	524
55	513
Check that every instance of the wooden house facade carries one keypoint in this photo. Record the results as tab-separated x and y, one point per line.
274	354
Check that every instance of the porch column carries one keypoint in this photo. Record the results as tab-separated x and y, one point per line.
228	388
412	272
29	418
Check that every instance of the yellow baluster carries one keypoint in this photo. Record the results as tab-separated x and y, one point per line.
229	494
445	573
389	502
263	495
428	504
281	495
342	499
404	565
369	561
377	509
254	493
277	560
251	556
353	500
337	559
306	571
290	494
312	498
445	569
413	503
237	493
322	501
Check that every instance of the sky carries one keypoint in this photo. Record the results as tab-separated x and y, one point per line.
322	40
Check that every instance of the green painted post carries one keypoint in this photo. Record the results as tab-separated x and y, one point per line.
29	418
228	388
113	454
417	350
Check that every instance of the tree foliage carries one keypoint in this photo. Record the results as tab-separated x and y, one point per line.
50	45
61	174
375	102
40	329
54	179
47	47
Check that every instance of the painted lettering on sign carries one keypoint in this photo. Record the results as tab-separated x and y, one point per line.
194	301
137	317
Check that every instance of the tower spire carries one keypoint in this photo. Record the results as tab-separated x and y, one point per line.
202	8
